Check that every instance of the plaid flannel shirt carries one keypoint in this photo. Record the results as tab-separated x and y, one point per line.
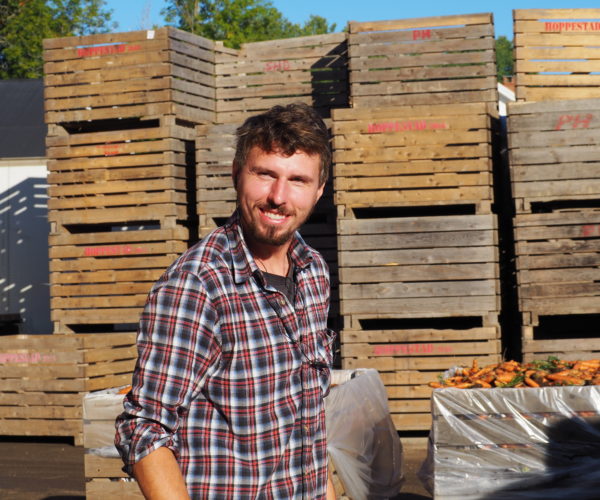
231	376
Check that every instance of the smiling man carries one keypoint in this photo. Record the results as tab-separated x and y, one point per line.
234	352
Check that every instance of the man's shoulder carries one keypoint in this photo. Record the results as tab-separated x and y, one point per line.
211	251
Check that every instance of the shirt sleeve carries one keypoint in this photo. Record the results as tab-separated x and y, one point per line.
176	350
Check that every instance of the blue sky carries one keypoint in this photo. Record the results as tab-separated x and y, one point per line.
143	14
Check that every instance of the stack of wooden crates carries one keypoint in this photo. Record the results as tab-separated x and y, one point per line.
121	111
554	139
418	254
251	80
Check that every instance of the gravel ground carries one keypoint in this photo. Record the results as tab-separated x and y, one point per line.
53	470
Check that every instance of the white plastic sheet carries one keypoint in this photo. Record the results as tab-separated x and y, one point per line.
517	444
100	409
362	441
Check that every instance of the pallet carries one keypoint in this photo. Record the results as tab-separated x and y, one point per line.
488	442
138	74
433	60
408	359
556	54
553	148
413	156
311	69
43	379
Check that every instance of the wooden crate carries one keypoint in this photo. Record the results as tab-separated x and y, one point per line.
407	267
408	359
418	295
413	156
149	74
553	151
101	279
311	69
556	54
495	443
433	60
43	379
120	213
138	175
558	255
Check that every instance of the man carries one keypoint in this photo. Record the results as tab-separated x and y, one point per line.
234	353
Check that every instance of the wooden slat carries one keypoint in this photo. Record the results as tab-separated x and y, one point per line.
424	22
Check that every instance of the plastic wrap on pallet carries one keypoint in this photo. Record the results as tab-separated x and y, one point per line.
100	409
362	441
523	444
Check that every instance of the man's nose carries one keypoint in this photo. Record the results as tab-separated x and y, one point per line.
278	192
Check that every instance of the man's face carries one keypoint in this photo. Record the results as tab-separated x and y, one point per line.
276	194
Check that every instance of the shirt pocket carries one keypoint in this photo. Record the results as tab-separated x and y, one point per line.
322	358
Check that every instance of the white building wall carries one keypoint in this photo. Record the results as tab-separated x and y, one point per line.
505	95
24	229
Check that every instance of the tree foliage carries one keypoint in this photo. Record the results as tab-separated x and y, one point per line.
239	21
25	23
504	57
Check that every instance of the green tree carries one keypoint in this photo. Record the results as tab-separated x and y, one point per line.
316	25
238	21
25	23
504	57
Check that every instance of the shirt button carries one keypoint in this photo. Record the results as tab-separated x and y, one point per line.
282	302
306	429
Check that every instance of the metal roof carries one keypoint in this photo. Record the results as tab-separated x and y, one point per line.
22	127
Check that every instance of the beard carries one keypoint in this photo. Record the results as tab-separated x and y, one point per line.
269	234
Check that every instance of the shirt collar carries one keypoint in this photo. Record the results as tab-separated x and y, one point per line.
243	263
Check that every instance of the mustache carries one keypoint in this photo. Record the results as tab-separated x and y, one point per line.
280	209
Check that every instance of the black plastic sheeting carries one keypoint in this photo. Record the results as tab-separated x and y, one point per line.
22	127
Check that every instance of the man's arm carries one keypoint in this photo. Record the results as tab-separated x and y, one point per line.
176	314
330	488
159	476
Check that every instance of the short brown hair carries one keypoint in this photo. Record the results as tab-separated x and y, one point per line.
286	129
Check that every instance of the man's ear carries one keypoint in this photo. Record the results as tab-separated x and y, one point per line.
234	174
320	191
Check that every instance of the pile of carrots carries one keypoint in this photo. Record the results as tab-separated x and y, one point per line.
552	372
